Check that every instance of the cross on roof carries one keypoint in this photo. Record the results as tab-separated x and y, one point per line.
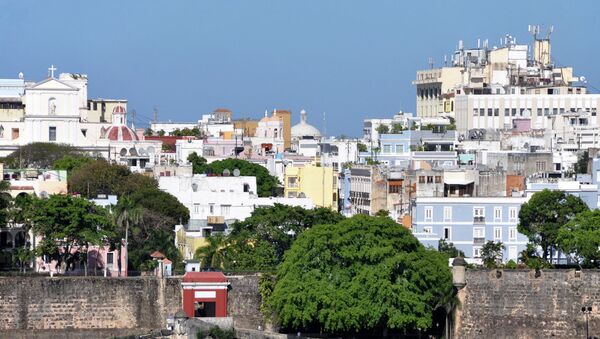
51	71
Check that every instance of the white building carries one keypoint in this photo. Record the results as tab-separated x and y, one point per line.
219	199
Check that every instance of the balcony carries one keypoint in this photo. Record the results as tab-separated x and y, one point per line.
478	241
479	220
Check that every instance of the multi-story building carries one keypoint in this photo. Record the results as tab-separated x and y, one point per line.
469	223
317	183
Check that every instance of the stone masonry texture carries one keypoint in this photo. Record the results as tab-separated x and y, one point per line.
518	304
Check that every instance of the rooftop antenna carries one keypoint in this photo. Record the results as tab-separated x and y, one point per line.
478	43
431	63
445	60
133	119
155	114
324	126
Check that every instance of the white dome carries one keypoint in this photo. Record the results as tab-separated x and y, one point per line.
303	129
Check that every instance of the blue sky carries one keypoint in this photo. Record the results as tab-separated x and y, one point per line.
350	59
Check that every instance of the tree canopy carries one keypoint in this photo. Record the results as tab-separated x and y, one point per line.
581	237
71	162
267	185
41	155
491	254
362	274
259	241
69	225
544	214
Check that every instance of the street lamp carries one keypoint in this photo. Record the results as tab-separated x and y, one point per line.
586	312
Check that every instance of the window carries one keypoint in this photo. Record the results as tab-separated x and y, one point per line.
539	112
211	208
490	112
482	112
447	213
546	111
497	233
421	179
476	252
399	148
497	213
110	258
514	111
496	112
478	214
428	213
387	148
225	209
479	232
52	133
540	166
196	208
447	233
512	234
512	214
438	179
428	230
292	194
507	112
292	182
84	132
430	179
512	253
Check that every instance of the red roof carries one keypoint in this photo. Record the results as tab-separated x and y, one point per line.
157	254
120	133
224	110
215	277
119	110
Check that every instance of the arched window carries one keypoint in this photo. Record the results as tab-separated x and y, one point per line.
275	133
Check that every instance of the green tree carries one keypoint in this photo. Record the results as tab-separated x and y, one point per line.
69	225
362	147
581	165
382	213
39	155
397	128
161	133
199	164
449	249
211	255
126	213
260	241
148	132
362	275
581	237
491	254
267	185
71	162
383	129
544	214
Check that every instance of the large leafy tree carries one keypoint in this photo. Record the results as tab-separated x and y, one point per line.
491	253
544	214
100	177
68	226
71	162
581	237
362	275
211	255
267	185
39	155
259	241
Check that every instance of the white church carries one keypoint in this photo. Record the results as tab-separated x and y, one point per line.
58	110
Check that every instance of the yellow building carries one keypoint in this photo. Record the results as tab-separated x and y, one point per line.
314	182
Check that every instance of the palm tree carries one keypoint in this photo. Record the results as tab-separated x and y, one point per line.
126	213
211	255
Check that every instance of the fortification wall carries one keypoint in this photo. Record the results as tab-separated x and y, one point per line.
517	304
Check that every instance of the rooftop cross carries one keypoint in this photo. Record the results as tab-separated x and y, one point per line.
51	71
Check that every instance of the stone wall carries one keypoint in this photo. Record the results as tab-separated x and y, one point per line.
517	304
243	301
42	303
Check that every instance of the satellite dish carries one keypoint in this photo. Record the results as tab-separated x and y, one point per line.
151	149
123	152
301	195
143	151
236	172
226	172
133	151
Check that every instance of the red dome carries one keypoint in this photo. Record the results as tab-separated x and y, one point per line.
119	110
120	133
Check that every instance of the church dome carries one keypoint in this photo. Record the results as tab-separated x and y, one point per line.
303	129
120	133
119	130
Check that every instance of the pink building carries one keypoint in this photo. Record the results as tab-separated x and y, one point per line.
522	125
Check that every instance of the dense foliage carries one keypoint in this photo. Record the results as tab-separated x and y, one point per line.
71	162
259	241
267	185
581	237
491	254
39	155
68	226
449	249
544	214
362	274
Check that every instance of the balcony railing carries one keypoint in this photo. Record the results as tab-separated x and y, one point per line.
479	241
479	220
